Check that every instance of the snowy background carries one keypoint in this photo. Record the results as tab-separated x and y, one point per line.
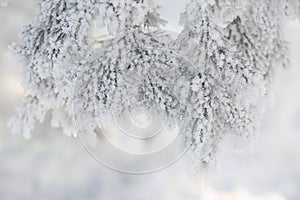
52	166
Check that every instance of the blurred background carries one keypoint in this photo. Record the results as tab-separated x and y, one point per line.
52	166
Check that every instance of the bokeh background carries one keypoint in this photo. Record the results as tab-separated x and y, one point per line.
53	166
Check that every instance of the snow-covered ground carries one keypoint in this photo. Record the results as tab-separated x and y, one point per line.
51	166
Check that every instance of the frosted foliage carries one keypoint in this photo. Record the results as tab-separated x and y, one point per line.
212	80
122	15
58	40
51	46
236	55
